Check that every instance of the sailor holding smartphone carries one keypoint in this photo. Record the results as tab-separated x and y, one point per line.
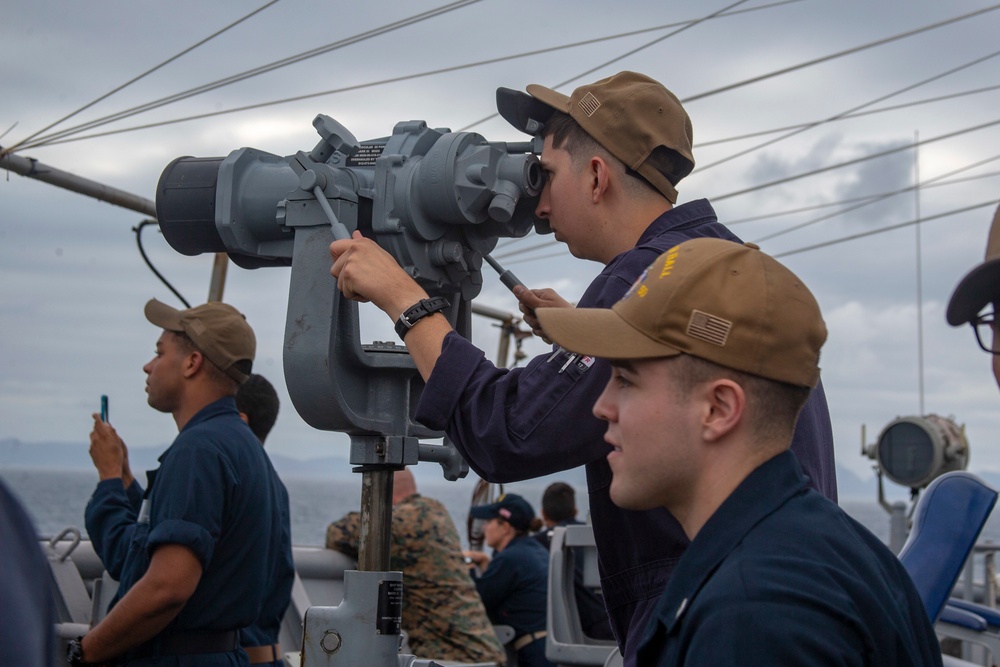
189	551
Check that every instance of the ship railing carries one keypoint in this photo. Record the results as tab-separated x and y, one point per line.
978	582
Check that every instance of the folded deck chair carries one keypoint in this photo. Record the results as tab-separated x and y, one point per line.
566	643
946	524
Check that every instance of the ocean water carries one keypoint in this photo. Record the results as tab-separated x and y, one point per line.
56	500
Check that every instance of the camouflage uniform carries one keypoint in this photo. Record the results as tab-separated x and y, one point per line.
442	612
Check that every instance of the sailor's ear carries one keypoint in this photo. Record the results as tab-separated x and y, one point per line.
193	363
725	408
600	176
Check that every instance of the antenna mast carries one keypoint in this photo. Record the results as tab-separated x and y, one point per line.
920	290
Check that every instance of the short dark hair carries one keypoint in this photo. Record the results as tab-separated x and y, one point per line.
773	406
212	371
257	399
559	502
567	134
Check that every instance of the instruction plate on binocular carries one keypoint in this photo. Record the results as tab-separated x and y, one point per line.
366	155
390	607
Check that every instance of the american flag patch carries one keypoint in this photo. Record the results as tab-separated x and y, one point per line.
708	328
589	104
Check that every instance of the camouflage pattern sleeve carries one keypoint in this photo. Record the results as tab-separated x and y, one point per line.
442	613
342	535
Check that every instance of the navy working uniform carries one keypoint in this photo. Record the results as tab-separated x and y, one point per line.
514	589
213	494
27	630
748	591
528	422
263	633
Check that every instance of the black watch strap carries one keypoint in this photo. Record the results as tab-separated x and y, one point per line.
74	653
417	312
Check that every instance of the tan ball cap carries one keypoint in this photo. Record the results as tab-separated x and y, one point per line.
629	114
721	301
220	331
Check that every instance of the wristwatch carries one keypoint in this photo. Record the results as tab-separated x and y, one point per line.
419	311
74	653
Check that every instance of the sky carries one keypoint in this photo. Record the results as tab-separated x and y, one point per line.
73	285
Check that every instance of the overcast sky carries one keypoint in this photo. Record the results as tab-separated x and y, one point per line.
72	284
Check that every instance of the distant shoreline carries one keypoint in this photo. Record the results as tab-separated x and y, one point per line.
73	457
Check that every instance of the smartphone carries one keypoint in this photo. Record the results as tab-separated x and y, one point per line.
104	407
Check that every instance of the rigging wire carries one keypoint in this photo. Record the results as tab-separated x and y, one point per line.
815	61
551	255
920	272
938	181
449	7
824	59
549	242
865	201
839	54
247	74
882	230
819	170
850	116
681	29
838	116
143	75
398	79
851	200
5	133
874	200
830	57
685	25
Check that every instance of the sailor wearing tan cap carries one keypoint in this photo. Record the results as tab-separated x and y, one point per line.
194	552
714	350
977	290
614	152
